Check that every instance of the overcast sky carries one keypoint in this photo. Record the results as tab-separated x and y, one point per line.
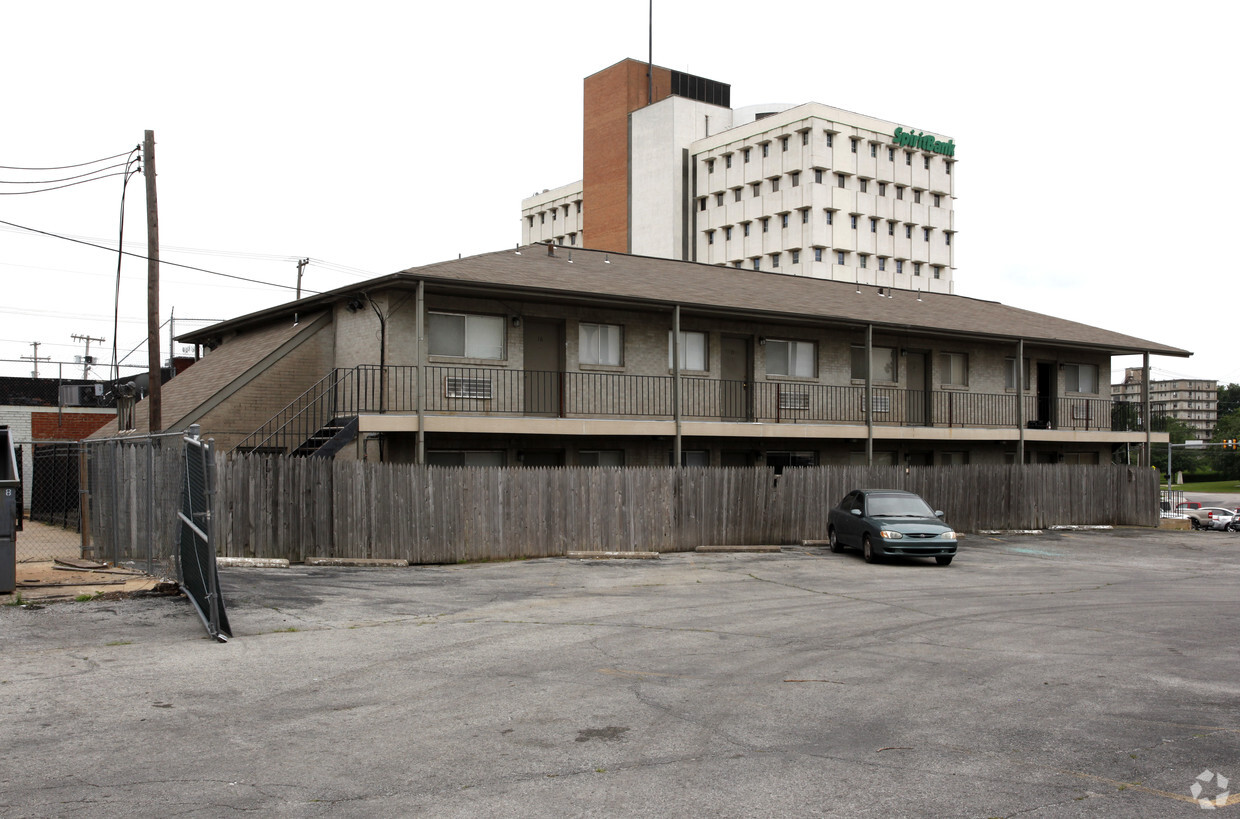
1096	177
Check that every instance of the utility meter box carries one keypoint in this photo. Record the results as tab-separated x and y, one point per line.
10	486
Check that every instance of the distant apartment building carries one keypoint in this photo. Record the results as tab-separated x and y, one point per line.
1191	401
670	170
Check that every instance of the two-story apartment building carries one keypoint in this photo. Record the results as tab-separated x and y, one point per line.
549	355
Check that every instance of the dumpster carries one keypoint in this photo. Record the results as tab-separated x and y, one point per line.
10	492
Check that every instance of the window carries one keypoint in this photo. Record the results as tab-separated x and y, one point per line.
578	204
916	196
873	225
719	198
900	192
795	177
908	231
852	221
757	188
882	262
916	268
766	149
863	184
456	457
839	256
757	263
805	216
818	175
841	180
554	212
882	363
774	260
710	166
792	358
727	160
830	217
766	224
466	336
600	457
572	238
745	155
736	194
775	185
853	144
908	157
601	344
710	237
805	137
1081	378
925	234
727	233
818	254
830	139
938	200
1009	373
891	228
692	350
738	264
862	260
882	188
796	256
783	220
947	238
745	227
702	203
542	218
954	369
899	267
926	162
948	167
938	270
783	142
690	457
891	154
874	149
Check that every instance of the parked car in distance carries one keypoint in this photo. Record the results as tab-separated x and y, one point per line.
889	522
1184	506
1211	517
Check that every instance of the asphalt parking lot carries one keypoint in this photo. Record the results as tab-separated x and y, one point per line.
1070	674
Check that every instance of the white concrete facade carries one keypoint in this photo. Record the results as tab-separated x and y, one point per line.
1192	401
554	216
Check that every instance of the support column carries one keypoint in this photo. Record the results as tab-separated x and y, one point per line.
419	356
1020	400
676	381
1145	408
869	395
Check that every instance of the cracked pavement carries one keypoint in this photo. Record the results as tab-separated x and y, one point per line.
1065	674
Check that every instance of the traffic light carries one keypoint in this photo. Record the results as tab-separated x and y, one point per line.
1230	443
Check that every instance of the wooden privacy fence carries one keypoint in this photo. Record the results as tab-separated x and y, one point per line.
273	506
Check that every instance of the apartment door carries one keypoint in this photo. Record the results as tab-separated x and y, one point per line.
917	400
543	377
736	374
1046	395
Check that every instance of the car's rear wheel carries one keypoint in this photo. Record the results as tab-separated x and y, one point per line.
943	560
1196	524
867	550
833	542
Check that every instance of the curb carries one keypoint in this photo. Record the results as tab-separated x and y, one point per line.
251	562
726	549
357	562
612	555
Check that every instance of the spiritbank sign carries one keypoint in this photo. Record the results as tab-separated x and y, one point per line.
923	142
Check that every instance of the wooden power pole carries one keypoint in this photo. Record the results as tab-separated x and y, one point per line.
154	404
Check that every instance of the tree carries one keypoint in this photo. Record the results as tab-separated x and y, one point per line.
1181	460
1227	461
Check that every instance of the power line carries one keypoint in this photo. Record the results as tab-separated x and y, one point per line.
63	178
60	187
62	167
162	262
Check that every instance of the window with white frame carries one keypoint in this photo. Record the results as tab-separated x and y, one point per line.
1009	373
818	254
882	360
954	369
466	335
692	350
797	359
774	260
1081	378
600	344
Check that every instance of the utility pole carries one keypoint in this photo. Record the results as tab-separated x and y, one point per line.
301	263
154	405
86	359
36	358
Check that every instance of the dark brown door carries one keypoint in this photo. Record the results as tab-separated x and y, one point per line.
736	393
543	379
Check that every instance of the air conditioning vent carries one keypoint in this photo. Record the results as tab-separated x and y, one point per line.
478	388
81	395
794	399
882	403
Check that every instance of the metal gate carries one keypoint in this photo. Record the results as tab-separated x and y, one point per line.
196	561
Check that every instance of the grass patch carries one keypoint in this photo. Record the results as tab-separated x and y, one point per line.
82	598
16	601
288	630
1209	486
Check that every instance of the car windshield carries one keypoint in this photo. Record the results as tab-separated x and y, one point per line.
898	506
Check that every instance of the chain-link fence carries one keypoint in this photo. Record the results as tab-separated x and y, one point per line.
49	504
